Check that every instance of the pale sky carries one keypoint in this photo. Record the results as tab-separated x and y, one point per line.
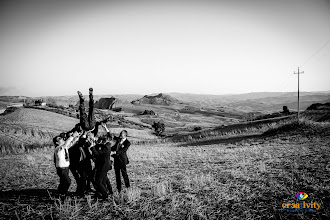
51	48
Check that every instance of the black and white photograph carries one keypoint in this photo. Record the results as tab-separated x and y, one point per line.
164	109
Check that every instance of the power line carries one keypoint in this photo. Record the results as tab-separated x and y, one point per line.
285	82
315	53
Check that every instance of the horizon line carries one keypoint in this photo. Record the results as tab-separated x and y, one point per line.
226	94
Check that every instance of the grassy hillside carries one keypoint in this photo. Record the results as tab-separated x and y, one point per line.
317	115
246	178
33	118
30	128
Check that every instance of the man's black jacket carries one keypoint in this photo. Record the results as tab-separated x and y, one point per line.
120	158
77	160
101	153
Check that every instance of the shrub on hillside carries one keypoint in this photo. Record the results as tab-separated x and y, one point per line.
159	127
286	110
51	102
148	112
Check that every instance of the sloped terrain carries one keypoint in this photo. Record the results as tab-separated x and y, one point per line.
32	118
27	128
317	115
319	106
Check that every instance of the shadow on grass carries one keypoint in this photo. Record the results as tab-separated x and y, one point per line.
231	140
28	196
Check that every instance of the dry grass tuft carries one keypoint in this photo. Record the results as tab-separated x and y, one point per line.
199	182
69	209
162	189
133	194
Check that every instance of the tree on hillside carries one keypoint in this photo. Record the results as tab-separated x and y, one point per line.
159	127
29	102
51	102
148	112
286	109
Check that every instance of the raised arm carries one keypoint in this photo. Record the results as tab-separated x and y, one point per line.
104	125
72	140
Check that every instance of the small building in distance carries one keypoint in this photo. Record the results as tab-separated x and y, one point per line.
39	102
106	103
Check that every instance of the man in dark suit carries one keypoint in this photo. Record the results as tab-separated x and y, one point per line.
101	152
84	167
119	154
74	156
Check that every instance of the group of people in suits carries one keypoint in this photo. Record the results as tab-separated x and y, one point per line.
89	156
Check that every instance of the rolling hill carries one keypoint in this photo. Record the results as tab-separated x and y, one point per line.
160	99
29	128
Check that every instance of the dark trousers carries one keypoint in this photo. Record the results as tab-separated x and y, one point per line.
86	176
107	184
65	180
87	122
75	173
100	182
123	171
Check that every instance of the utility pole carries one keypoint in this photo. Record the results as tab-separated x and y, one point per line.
298	89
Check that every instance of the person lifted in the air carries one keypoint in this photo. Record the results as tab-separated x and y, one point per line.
87	121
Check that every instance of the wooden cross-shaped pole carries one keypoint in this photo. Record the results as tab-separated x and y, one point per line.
298	89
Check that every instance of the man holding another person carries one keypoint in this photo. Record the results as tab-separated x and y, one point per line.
119	154
61	160
101	152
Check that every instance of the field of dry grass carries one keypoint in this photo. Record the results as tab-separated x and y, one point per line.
245	178
26	129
